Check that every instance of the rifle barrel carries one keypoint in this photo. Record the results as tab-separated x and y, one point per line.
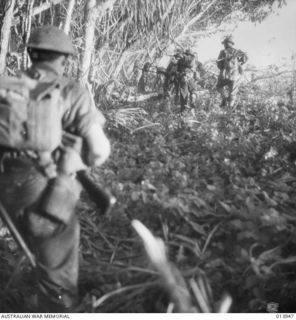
17	236
102	198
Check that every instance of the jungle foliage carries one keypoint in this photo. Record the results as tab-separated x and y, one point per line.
216	185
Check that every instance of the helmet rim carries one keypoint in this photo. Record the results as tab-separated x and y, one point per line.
50	38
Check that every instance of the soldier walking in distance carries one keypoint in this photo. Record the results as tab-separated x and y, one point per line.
171	76
230	62
49	130
190	73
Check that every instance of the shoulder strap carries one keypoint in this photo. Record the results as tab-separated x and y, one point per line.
44	88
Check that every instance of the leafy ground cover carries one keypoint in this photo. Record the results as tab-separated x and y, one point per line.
217	185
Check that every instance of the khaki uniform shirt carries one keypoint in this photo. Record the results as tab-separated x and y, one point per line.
229	62
78	112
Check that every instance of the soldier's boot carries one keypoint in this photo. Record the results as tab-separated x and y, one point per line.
177	99
223	102
184	103
57	271
233	92
232	102
193	100
223	97
184	98
56	301
167	105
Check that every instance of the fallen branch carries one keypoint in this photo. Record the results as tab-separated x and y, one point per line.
142	97
174	281
271	76
195	19
108	295
147	126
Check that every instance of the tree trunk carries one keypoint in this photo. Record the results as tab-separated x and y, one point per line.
92	11
70	8
90	15
39	10
26	32
5	33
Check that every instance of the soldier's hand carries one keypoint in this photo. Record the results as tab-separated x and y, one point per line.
70	161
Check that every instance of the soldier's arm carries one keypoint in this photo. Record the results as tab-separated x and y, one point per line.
200	68
83	119
220	60
242	57
98	146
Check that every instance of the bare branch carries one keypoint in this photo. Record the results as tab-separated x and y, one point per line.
196	18
37	10
270	76
45	6
5	34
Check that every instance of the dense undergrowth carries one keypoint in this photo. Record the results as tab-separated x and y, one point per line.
217	185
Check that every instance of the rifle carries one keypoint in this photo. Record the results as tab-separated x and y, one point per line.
17	236
101	197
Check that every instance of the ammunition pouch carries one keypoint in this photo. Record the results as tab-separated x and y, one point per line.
60	198
55	209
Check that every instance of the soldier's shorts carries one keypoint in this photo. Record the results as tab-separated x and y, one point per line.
223	82
21	185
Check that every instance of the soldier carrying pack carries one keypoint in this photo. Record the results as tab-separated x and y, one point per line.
50	129
230	63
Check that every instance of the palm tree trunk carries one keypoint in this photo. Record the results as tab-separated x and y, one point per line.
27	31
70	9
5	33
90	15
92	12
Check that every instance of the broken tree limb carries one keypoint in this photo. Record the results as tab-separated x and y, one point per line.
196	18
93	11
37	10
5	33
142	97
45	6
270	76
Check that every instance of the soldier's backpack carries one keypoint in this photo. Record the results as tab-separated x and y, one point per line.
186	62
30	114
233	61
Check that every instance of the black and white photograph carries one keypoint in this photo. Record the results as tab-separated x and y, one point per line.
147	158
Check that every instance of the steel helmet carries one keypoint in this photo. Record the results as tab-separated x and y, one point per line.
228	39
190	52
147	66
52	39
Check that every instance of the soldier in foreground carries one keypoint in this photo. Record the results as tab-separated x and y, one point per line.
230	62
50	129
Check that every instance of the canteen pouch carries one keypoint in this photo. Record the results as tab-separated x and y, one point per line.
54	209
38	225
60	198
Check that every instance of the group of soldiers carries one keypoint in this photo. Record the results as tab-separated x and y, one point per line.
185	74
49	130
